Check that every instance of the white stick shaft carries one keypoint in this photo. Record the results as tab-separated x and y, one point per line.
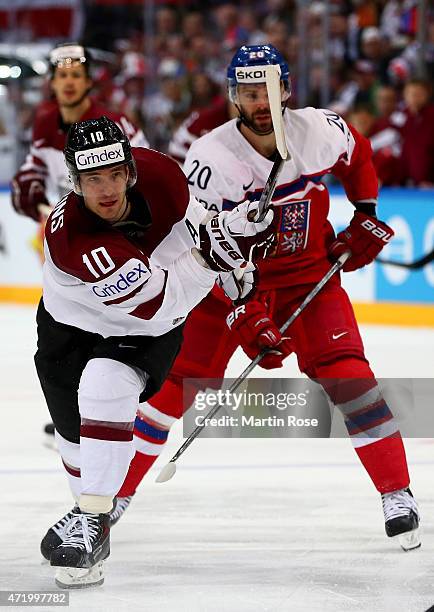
272	81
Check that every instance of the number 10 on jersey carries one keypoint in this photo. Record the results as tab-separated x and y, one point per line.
99	258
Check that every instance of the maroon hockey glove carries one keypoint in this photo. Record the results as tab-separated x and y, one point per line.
230	239
27	194
364	237
257	331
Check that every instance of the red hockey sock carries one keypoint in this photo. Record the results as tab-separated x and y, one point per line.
149	441
139	467
386	463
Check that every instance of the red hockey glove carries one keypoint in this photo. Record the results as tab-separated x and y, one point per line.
28	193
230	239
257	331
364	237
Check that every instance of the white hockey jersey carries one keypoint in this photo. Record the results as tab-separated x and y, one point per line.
223	169
134	278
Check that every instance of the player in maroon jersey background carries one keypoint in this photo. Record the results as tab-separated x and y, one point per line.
43	177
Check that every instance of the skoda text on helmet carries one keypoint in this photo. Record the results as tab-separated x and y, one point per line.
248	67
68	54
96	144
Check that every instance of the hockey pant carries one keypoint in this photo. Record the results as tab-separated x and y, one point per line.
329	349
93	386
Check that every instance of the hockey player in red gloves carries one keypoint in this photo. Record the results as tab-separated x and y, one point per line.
225	167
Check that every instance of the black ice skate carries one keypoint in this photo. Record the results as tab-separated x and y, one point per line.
56	534
79	559
401	516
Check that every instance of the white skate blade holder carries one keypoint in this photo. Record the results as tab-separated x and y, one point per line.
79	577
409	540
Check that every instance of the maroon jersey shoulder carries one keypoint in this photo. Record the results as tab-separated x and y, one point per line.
202	122
74	233
46	131
84	246
162	183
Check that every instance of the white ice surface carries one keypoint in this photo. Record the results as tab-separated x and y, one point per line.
245	525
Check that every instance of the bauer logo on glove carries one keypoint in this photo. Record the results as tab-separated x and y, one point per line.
365	237
378	231
229	240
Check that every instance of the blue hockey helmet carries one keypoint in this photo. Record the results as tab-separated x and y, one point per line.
255	56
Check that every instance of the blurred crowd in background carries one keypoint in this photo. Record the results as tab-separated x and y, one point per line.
159	62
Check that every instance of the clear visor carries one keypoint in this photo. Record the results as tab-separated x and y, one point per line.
245	93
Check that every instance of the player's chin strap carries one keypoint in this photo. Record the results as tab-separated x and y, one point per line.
169	469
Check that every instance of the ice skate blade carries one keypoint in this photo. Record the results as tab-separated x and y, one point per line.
409	540
79	577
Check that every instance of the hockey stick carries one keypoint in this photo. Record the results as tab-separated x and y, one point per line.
169	469
272	81
415	265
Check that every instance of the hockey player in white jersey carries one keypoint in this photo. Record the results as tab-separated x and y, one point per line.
232	163
127	256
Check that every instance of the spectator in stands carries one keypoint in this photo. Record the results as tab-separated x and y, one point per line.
170	104
166	22
204	91
375	48
385	144
385	137
386	103
417	157
193	24
360	91
276	33
250	22
362	119
227	19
